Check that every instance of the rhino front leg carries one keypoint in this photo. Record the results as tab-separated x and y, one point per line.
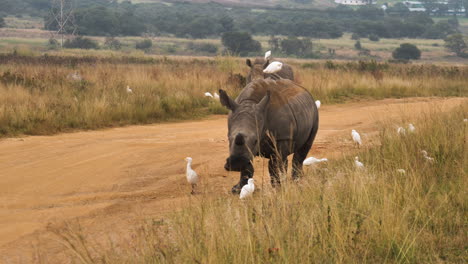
245	175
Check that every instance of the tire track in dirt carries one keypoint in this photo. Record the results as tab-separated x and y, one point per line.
111	179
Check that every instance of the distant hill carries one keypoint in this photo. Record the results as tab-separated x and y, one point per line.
256	3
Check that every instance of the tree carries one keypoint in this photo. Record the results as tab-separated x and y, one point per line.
274	43
240	42
227	23
455	43
407	51
2	22
295	46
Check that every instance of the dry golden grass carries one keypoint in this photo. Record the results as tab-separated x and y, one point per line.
37	95
337	214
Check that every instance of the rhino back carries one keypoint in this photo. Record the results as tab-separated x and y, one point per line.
291	111
286	72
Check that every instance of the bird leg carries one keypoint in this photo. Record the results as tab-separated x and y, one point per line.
193	189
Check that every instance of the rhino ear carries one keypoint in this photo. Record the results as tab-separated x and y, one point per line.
264	102
266	64
227	101
248	62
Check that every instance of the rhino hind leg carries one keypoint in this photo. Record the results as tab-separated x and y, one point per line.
245	174
301	154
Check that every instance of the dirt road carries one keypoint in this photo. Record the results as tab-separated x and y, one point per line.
112	178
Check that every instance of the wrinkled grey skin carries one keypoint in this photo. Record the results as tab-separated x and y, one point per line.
259	64
273	119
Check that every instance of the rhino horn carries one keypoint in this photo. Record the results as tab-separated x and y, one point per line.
239	140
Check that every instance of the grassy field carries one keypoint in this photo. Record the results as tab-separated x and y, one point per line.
38	95
35	41
335	214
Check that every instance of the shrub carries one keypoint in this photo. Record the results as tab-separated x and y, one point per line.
112	43
53	44
144	44
357	45
355	36
407	51
203	47
374	37
81	43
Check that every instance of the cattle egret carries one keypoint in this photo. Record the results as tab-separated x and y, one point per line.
216	96
267	55
273	67
402	171
465	120
401	130
75	76
311	161
248	189
207	94
318	104
357	163
411	128
425	155
129	90
192	176
356	137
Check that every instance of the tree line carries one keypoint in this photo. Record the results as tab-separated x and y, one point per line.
114	18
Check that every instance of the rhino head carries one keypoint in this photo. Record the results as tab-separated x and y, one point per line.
246	125
256	69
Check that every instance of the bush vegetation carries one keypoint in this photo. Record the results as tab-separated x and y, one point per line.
80	43
145	44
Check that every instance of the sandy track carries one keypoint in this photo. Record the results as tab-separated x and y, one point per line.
111	178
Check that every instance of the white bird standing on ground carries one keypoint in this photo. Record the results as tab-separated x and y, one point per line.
311	161
216	96
411	128
401	131
129	90
425	155
356	137
357	163
75	76
402	171
207	94
318	104
248	189
192	176
273	67
267	55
